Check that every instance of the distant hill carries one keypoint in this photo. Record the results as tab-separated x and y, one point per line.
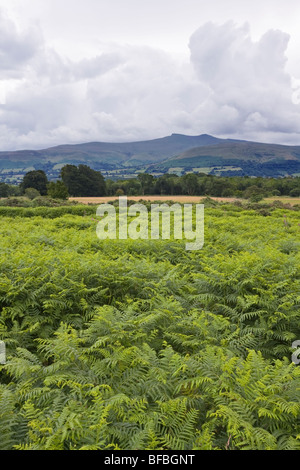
240	157
238	151
126	154
176	153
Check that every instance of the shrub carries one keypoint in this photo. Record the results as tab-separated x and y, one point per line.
32	193
57	190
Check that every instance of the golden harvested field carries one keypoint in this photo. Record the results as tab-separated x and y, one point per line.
182	199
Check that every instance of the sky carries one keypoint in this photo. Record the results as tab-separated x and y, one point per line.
76	71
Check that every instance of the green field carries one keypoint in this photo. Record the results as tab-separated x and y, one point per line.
140	344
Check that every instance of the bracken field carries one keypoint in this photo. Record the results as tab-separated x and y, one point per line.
141	344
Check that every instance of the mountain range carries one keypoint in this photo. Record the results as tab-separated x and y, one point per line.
176	153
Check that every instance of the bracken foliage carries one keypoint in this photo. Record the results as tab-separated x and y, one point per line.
136	345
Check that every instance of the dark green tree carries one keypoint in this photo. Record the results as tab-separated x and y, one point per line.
4	190
253	191
295	192
35	179
190	184
146	181
57	190
83	181
70	178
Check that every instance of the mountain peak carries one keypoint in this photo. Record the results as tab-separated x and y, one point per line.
175	134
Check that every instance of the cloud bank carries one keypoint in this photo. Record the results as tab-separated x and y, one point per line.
231	86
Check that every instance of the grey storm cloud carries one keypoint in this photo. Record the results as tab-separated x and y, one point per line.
231	86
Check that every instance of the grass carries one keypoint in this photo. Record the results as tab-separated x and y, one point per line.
284	199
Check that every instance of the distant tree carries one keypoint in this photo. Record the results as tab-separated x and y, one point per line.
295	192
253	191
120	192
112	187
70	177
83	181
32	193
146	181
14	190
4	190
35	179
227	193
190	184
256	197
167	184
57	190
132	187
92	181
109	187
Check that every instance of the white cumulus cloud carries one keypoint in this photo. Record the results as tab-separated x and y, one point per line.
231	86
248	78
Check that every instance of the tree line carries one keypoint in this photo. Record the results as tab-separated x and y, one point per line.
75	181
82	181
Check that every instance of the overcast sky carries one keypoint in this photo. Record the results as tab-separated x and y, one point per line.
75	71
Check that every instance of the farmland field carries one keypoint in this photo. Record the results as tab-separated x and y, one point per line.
141	344
180	199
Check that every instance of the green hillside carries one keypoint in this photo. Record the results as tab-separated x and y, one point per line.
105	152
186	153
249	158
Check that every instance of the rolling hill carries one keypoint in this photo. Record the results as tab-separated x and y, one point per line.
113	154
240	157
176	153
